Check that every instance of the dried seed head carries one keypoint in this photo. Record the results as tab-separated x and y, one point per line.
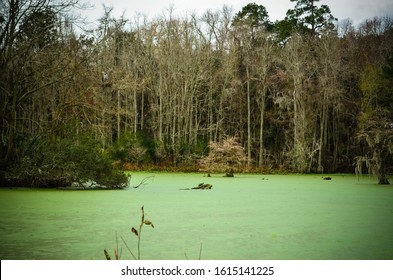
133	230
147	222
107	255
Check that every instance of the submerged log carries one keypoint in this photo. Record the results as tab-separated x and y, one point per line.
201	186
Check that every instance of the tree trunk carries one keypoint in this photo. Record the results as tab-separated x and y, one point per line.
229	173
248	118
382	180
380	169
323	132
135	111
261	157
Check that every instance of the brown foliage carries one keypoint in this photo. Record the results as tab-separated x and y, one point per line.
225	156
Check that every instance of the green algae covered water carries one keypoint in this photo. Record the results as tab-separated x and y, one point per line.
246	217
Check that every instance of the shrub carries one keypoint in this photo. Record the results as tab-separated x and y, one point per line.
132	148
53	162
225	156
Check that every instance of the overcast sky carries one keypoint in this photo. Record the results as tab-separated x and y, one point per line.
356	10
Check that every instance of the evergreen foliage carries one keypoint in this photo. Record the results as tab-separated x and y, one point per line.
47	161
306	18
254	16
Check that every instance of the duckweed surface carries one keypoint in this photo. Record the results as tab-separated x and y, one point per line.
245	217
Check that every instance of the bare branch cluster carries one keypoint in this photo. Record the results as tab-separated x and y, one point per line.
225	156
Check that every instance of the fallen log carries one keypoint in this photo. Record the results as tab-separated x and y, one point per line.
201	186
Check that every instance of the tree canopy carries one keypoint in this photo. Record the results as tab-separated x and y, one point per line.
296	94
253	15
307	18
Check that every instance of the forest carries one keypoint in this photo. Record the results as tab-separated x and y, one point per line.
308	93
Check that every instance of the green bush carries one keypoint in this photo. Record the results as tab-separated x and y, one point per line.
133	148
52	162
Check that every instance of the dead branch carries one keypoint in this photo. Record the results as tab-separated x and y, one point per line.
145	181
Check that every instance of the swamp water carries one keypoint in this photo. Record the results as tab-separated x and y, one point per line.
245	217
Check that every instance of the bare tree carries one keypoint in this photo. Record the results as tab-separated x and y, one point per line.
300	66
27	28
329	96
